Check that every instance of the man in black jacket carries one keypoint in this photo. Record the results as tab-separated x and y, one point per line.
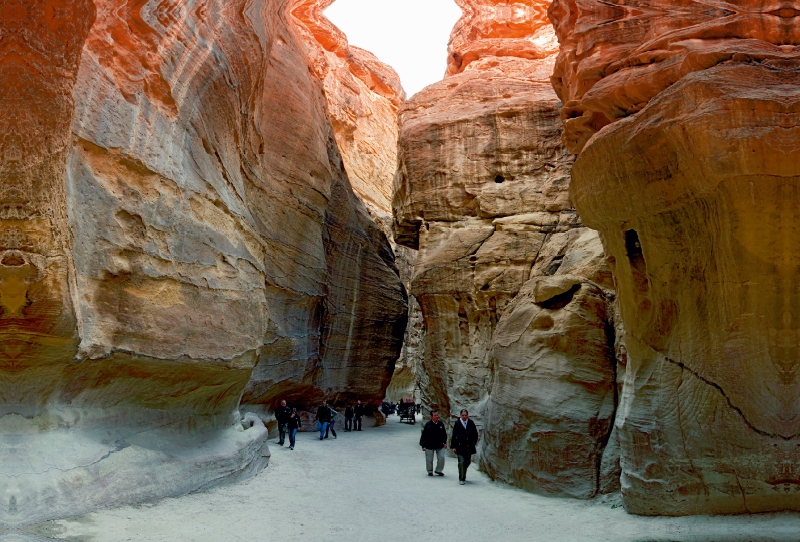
322	418
434	441
282	417
348	419
359	413
463	441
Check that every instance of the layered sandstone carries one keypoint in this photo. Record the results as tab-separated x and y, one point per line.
482	191
177	230
553	395
685	117
364	97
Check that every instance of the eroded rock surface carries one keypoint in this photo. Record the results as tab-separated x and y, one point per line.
685	118
177	231
553	394
482	191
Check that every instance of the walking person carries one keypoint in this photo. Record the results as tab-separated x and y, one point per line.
282	417
293	424
348	419
322	418
332	423
434	442
463	441
358	413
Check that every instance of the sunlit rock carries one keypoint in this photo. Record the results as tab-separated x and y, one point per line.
685	117
482	191
177	231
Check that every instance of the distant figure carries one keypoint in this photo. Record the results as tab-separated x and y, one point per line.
332	423
322	418
293	426
348	419
434	442
358	414
463	441
282	416
385	408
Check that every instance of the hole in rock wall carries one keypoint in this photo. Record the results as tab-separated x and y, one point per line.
561	300
499	179
409	35
633	247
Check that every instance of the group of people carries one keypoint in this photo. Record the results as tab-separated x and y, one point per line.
387	407
462	442
289	421
433	440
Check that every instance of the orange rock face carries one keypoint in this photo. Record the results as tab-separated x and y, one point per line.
685	117
178	232
363	97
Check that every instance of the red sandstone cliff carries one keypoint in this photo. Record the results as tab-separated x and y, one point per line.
684	114
178	231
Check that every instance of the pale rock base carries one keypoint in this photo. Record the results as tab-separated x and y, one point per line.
68	471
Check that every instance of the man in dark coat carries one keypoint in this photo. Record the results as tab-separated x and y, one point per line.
282	416
348	419
323	418
359	413
434	442
463	441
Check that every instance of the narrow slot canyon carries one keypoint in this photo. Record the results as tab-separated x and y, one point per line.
574	219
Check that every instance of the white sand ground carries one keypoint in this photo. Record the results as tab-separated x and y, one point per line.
372	486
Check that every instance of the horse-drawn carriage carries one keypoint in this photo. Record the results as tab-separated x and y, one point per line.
407	412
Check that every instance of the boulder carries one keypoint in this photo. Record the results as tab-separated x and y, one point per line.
553	398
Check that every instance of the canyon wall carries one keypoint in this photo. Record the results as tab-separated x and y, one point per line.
178	232
364	97
516	298
685	118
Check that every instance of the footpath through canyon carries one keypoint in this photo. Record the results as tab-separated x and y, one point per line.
373	486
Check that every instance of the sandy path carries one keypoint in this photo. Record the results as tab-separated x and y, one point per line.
372	486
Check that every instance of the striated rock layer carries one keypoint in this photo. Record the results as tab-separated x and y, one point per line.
482	191
177	231
685	117
364	97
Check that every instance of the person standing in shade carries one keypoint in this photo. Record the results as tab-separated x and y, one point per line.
358	413
282	417
293	425
322	418
348	419
463	441
434	442
332	423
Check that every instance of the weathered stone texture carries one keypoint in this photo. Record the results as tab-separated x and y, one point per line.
553	394
363	98
177	229
482	191
685	118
